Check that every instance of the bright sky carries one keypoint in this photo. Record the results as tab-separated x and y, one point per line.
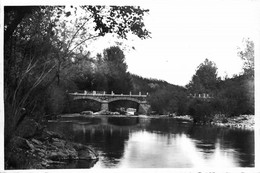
186	32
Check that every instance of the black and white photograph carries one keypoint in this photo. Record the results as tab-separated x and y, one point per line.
137	84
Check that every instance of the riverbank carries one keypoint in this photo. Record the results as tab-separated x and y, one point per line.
246	122
242	122
45	150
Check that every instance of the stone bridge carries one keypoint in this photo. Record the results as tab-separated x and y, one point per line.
104	98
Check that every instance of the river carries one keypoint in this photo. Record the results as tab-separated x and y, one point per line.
143	142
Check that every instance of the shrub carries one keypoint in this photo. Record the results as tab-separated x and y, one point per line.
201	111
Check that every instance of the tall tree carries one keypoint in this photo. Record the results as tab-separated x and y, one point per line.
205	78
247	55
27	61
118	79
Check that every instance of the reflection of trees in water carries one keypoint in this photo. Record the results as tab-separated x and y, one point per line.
108	135
68	125
241	141
244	142
106	139
205	137
167	125
80	119
123	121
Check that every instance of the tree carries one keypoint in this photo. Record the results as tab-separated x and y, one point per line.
81	73
205	78
247	55
42	41
236	96
118	79
13	16
77	26
28	62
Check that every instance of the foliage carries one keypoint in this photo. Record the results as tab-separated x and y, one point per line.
168	100
28	64
80	73
202	111
118	19
147	85
118	79
247	55
205	79
41	42
237	95
107	72
234	97
231	96
164	98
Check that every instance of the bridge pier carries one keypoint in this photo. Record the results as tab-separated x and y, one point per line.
104	106
143	108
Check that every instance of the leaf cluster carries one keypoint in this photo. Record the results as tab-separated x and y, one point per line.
119	19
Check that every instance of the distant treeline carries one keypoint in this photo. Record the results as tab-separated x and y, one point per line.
164	98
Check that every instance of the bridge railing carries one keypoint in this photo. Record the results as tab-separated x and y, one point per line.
103	93
201	96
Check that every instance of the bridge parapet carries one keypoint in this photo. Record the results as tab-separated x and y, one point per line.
201	96
103	93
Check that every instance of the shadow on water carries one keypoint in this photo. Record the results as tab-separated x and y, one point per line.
123	121
168	125
241	141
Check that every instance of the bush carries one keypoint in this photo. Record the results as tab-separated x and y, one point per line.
201	111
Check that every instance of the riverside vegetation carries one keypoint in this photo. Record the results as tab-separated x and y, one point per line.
44	57
43	61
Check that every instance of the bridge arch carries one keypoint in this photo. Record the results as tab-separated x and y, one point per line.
125	98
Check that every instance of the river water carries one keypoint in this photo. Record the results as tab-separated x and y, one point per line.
143	142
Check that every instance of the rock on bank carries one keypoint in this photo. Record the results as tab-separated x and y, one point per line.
45	151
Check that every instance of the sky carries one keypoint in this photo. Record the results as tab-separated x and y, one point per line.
186	32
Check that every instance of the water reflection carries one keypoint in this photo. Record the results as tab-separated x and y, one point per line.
133	142
123	121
